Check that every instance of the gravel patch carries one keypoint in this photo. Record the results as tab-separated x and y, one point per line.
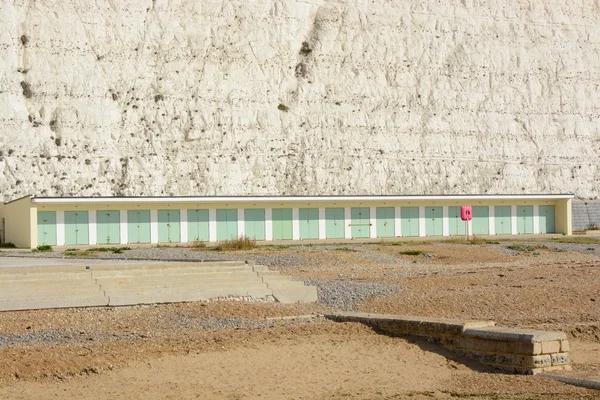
346	295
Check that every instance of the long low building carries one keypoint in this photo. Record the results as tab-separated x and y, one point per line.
69	221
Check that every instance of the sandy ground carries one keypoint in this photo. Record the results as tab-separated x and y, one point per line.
230	350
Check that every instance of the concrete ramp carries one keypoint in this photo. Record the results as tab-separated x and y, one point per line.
120	285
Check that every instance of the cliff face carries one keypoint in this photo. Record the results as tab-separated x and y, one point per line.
299	97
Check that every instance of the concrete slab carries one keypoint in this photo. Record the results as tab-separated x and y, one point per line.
515	334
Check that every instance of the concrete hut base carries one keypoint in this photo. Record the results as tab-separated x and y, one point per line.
512	350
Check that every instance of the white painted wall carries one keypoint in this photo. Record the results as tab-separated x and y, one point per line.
183	224
153	226
93	231
422	221
295	223
322	227
268	224
212	224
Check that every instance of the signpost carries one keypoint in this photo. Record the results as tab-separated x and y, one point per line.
466	214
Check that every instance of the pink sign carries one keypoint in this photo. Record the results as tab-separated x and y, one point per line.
466	213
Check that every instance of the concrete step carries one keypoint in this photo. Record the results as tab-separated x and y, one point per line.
182	289
20	291
42	269
180	285
172	271
9	278
128	299
178	277
170	265
63	302
55	296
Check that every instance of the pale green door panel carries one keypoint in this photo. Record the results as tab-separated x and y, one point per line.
525	219
138	226
547	219
503	220
76	227
198	229
334	223
282	224
254	219
46	227
433	221
409	224
227	224
385	221
108	227
168	226
309	223
481	220
456	226
361	222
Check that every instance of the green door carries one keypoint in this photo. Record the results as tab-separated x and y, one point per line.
525	219
255	223
334	223
361	222
433	221
168	226
108	229
456	226
309	223
547	224
481	220
76	227
503	220
198	225
46	227
385	221
227	224
282	224
409	224
138	226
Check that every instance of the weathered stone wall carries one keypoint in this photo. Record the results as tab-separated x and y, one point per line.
514	350
222	98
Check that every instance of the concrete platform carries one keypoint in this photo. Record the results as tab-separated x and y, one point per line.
37	283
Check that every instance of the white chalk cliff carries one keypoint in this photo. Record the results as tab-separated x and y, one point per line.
283	97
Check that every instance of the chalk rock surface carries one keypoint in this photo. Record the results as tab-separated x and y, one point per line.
294	97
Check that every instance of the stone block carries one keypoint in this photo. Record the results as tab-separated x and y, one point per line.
505	359
564	346
541	361
559	359
551	347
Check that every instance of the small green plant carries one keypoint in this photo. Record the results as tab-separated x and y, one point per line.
491	242
518	247
116	250
7	245
283	107
197	244
43	247
411	252
591	248
241	243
